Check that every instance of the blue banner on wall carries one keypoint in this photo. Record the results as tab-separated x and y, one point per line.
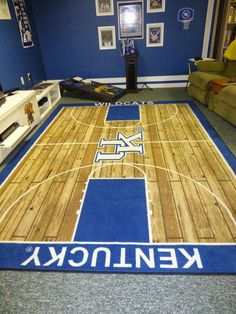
23	22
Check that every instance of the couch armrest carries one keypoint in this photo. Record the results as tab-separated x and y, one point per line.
211	66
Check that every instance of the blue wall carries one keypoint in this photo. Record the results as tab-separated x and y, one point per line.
69	40
16	61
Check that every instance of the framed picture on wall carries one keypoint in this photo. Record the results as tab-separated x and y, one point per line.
104	7
130	19
154	6
155	35
107	37
4	10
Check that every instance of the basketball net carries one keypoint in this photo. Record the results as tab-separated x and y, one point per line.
186	24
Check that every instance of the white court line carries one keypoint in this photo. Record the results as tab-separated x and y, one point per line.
126	127
64	143
120	243
80	210
118	163
135	165
139	141
183	141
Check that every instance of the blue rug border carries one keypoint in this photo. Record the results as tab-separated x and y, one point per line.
211	257
221	258
225	151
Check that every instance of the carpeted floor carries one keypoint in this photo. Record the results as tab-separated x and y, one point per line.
29	292
36	292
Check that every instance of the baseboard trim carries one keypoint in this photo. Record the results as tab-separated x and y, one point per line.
156	85
152	81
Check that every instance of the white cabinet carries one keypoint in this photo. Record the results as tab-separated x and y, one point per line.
22	111
19	114
47	94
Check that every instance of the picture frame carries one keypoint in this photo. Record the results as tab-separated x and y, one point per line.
107	37
104	7
155	6
130	19
155	34
4	10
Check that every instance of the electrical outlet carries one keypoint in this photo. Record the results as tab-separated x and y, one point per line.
29	76
22	80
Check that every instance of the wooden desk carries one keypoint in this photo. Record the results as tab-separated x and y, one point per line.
217	85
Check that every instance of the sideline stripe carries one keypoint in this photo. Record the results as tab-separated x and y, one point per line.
120	258
114	210
139	141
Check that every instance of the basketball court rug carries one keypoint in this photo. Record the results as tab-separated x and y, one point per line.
135	187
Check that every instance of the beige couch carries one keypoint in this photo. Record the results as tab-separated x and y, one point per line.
223	103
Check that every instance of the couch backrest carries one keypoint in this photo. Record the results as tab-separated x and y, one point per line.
230	70
211	66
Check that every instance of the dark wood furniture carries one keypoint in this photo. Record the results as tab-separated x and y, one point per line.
131	73
91	89
217	85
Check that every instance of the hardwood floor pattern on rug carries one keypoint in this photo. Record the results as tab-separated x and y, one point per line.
191	190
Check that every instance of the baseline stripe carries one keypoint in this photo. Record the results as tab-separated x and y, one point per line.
136	258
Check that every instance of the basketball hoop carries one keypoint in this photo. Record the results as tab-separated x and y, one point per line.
185	16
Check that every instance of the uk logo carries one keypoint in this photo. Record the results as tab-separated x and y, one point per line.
122	146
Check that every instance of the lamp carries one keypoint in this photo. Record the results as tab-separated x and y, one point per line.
230	52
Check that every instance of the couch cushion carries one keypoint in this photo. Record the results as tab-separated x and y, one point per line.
197	93
228	95
222	108
216	67
230	69
202	79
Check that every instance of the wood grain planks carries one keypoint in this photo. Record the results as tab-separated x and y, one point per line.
191	190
